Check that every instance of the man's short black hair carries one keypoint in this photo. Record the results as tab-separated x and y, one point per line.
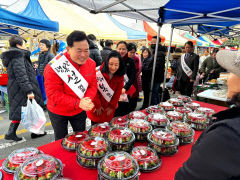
108	43
15	39
190	43
92	37
155	37
121	69
76	36
215	50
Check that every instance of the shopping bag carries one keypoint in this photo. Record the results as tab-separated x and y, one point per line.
33	117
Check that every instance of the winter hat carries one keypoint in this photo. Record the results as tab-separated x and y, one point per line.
229	60
46	42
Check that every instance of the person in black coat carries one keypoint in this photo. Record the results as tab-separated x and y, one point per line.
159	69
94	50
185	82
216	154
22	83
106	49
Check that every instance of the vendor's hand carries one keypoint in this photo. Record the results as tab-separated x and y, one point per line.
99	111
30	96
123	91
109	111
212	71
86	104
191	80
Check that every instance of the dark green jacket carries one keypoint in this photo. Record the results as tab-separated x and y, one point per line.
211	64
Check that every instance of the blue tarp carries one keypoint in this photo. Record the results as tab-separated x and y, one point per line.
131	33
33	17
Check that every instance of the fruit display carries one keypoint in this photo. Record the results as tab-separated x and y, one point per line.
146	157
119	122
136	115
71	141
192	105
166	106
184	98
183	131
91	150
157	120
206	111
140	128
197	121
174	116
99	129
176	102
41	167
121	139
183	110
17	157
163	141
155	109
118	165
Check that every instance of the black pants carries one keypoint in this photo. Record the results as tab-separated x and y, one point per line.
60	123
186	87
133	104
122	110
146	94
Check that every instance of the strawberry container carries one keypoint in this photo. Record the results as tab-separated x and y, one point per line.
119	122
174	116
41	167
185	99
140	128
71	141
192	105
91	150
176	102
99	129
147	158
121	139
155	109
206	111
18	157
183	110
137	115
157	120
163	141
183	131
118	165
197	121
166	106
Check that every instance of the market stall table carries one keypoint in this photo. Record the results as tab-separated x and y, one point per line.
73	171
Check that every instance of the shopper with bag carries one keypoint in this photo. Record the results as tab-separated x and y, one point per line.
110	77
71	85
22	83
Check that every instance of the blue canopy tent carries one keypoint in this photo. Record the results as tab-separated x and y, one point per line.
33	17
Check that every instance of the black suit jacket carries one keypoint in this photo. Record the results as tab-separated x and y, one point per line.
193	63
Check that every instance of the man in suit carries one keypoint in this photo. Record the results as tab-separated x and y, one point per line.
187	70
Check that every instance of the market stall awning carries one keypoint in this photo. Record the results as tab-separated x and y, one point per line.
151	32
204	38
198	41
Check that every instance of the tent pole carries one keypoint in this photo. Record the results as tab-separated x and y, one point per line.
166	68
154	64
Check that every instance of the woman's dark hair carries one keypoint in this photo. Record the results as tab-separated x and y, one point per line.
76	36
235	100
108	43
131	46
190	43
149	52
122	42
121	69
92	37
15	39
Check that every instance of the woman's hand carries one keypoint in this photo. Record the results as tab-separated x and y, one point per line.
123	91
109	111
86	104
30	96
99	111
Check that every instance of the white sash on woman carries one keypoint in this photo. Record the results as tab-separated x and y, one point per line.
185	67
69	74
103	86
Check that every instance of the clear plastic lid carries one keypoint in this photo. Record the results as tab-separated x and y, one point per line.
42	167
144	154
75	138
119	122
183	110
180	128
176	102
184	98
120	135
99	129
155	109
174	115
196	117
139	126
163	137
136	115
157	119
18	156
166	106
118	165
192	105
205	110
93	147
